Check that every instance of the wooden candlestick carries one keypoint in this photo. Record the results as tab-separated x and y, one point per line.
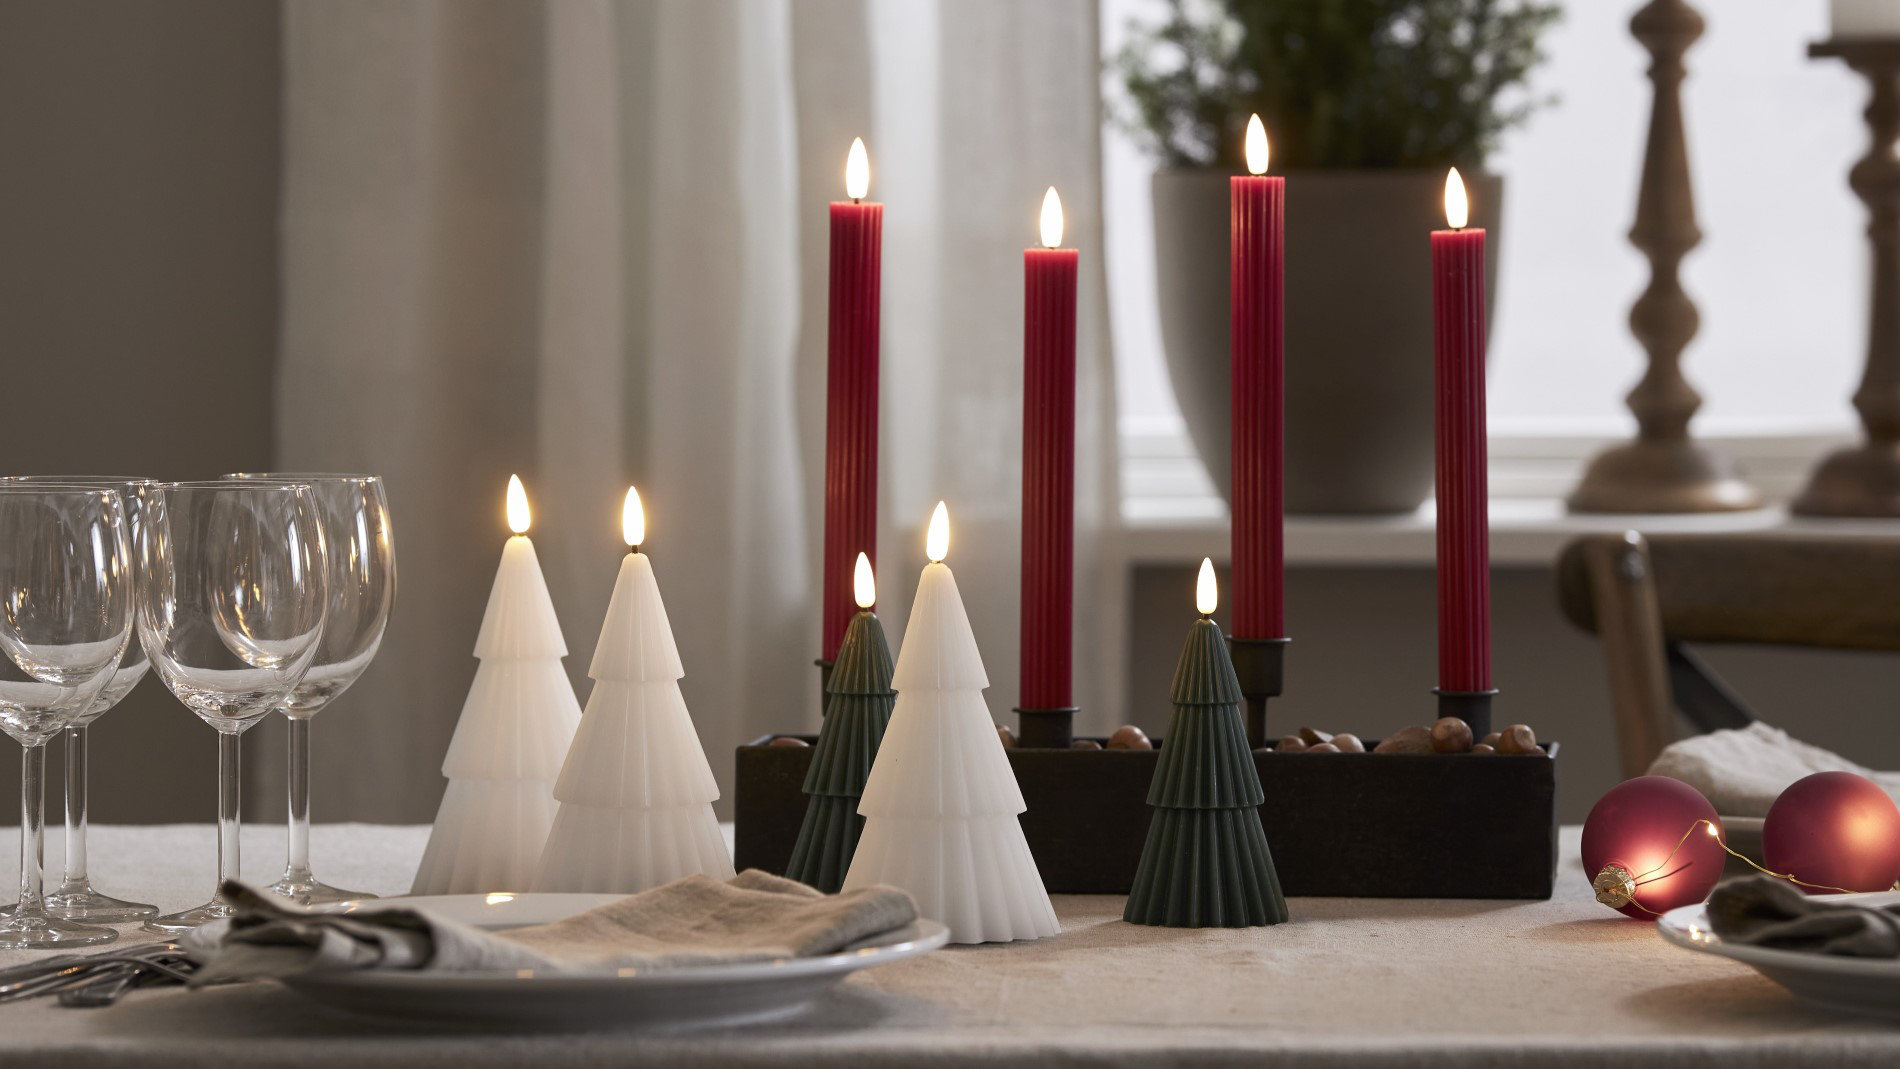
1664	469
1864	480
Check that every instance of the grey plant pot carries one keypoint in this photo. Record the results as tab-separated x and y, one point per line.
1358	326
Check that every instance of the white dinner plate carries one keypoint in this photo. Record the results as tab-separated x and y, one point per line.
1856	985
677	999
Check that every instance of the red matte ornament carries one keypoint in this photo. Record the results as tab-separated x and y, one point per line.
1629	840
1834	830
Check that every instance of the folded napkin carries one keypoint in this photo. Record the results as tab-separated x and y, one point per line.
1742	770
691	922
1761	911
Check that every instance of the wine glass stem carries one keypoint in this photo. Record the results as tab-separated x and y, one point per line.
32	830
297	864
76	755
228	790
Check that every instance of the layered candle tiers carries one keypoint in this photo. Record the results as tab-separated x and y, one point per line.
851	392
515	729
1048	576
636	792
1205	863
941	803
857	709
1464	553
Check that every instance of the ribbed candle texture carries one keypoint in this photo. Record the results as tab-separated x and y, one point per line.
1048	595
857	242
1259	405
1464	544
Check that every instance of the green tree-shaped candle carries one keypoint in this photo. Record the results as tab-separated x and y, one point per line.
857	709
1206	863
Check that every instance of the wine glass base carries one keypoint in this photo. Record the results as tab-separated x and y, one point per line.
88	905
307	890
178	923
39	931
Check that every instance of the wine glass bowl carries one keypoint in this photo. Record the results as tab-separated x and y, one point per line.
232	602
65	620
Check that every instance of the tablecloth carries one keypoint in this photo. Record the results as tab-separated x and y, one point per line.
1361	982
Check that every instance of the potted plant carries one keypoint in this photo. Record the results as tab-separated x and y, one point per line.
1366	103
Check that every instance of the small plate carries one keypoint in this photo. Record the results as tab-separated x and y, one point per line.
1854	985
717	995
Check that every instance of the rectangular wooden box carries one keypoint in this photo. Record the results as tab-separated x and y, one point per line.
1377	825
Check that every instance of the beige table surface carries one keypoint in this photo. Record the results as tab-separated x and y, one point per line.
1347	982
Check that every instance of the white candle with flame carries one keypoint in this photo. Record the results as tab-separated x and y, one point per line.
515	727
636	791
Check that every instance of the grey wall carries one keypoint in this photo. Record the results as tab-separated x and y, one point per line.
1364	659
138	291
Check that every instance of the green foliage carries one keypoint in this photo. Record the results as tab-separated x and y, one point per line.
1338	83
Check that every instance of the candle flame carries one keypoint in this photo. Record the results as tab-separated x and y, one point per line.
1051	219
857	171
937	541
633	519
1457	207
1256	146
862	583
1206	597
518	515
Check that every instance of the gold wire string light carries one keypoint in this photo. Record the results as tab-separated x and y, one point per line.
1616	886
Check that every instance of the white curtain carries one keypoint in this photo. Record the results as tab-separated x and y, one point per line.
585	241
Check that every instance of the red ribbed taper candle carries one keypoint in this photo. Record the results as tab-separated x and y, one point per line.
1464	545
1257	279
857	243
1048	597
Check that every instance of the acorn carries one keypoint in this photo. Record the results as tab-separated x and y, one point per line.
1291	744
1129	737
1085	744
1413	739
788	742
1518	739
1007	736
1322	747
1346	742
1483	747
1451	735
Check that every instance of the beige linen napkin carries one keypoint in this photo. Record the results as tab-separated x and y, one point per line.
1767	912
696	921
1741	771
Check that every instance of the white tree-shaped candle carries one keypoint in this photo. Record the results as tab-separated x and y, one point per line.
636	792
516	725
941	803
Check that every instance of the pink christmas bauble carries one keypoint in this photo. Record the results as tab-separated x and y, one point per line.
1835	829
1629	838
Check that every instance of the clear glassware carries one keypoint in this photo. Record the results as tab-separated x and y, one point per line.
362	589
65	619
232	597
75	899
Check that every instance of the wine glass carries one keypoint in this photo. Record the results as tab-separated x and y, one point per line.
231	599
75	899
65	617
362	588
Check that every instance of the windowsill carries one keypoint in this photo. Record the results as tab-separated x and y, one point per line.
1171	514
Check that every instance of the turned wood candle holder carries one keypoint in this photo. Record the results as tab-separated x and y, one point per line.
1864	480
1664	469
